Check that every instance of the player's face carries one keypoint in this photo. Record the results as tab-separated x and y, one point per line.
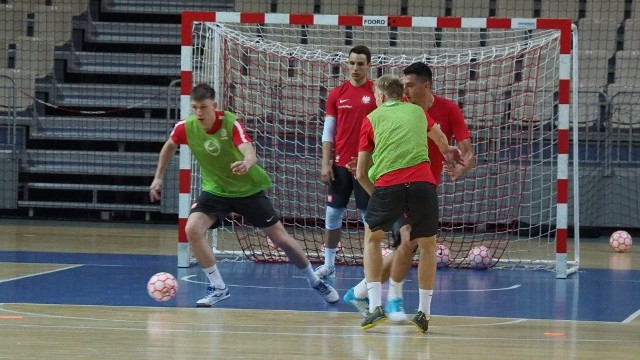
358	67
204	110
414	89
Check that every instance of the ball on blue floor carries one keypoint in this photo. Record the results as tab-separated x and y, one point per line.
479	257
162	286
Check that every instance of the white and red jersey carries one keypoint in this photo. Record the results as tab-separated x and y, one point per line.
240	135
349	105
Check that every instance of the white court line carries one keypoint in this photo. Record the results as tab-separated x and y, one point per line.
272	331
188	279
631	317
498	321
40	273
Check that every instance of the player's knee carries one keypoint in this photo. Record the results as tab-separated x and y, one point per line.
408	245
405	233
333	218
193	231
428	245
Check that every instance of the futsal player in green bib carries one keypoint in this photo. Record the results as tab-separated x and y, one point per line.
232	181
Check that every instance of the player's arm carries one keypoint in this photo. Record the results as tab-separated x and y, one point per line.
463	138
328	137
364	163
328	132
451	153
250	158
166	154
469	160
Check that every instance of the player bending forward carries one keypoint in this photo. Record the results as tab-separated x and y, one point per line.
231	182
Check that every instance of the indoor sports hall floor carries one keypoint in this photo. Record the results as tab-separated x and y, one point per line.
78	290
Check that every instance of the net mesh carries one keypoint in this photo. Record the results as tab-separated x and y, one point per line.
277	78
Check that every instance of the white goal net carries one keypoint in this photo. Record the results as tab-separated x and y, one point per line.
276	78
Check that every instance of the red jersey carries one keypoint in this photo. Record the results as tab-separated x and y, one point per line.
446	113
349	105
240	136
419	172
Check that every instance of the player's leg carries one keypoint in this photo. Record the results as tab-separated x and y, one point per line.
362	198
426	279
357	296
204	215
332	235
259	211
423	217
385	207
400	265
373	274
338	195
292	248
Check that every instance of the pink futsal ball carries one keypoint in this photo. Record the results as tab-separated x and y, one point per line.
479	257
443	255
620	241
162	286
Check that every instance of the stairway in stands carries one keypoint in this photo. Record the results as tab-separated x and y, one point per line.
105	112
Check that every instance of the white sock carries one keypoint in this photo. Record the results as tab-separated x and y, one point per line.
214	277
310	275
374	289
395	289
425	301
360	290
330	257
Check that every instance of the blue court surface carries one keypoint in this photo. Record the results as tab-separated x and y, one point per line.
120	280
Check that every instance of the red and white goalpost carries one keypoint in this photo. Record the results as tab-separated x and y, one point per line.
512	78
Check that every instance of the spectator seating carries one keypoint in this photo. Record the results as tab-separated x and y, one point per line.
514	8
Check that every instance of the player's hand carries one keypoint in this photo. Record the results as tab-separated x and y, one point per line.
453	170
454	156
352	165
154	190
327	174
239	167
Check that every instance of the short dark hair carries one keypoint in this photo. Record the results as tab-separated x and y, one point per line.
202	92
362	50
421	70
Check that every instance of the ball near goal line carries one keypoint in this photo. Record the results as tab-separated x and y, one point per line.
620	241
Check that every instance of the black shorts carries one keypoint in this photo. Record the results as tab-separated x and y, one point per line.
256	209
417	200
342	186
395	232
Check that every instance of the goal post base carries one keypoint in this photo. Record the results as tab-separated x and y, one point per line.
183	255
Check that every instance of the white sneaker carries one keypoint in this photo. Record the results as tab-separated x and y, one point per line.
326	272
328	293
213	296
